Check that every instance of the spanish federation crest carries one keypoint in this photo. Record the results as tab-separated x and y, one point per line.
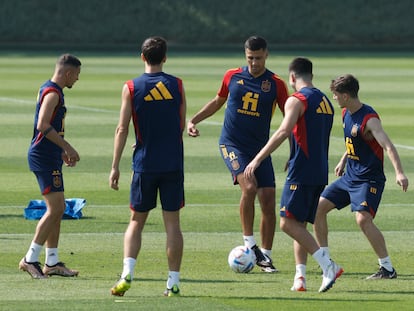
354	130
266	85
235	164
57	179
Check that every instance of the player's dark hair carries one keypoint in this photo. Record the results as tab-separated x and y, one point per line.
255	43
302	67
69	60
154	50
346	84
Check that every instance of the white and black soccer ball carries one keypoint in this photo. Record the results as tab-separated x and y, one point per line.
241	259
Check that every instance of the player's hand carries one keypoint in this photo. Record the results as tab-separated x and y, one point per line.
70	156
192	130
339	169
249	170
402	180
113	179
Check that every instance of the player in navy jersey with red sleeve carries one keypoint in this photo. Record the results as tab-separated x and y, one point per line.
361	172
156	103
47	153
43	153
252	94
308	120
250	107
157	96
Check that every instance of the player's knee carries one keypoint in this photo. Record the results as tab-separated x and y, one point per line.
324	206
283	224
363	220
250	188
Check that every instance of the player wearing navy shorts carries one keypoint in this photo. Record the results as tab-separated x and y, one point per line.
362	174
155	101
47	153
252	94
308	121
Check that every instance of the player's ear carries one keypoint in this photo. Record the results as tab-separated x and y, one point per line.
143	57
345	97
292	76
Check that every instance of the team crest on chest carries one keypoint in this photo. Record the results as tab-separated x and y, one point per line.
354	130
266	86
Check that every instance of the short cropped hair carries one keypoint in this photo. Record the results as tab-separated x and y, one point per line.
154	50
255	43
301	66
345	84
68	60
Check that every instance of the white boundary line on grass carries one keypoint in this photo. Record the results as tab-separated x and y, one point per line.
208	122
30	102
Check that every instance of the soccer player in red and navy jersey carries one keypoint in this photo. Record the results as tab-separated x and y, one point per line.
308	121
156	103
361	172
47	153
252	94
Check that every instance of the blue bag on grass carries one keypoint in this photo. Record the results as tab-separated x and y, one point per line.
37	208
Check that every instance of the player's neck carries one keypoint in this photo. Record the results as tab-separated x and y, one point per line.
300	84
153	68
59	81
257	74
354	105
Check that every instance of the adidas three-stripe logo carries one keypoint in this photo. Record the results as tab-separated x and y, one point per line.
159	92
324	107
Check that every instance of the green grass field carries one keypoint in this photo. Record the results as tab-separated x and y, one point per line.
210	220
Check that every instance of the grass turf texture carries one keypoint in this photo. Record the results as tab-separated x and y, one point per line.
210	220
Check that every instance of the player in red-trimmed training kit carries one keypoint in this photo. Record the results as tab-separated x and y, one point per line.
308	121
361	172
47	153
156	103
252	94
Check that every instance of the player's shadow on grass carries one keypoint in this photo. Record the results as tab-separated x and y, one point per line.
382	292
10	216
140	279
10	238
363	276
321	298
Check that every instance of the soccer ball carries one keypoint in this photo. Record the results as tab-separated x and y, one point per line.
241	259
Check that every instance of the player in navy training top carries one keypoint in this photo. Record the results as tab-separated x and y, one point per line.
155	101
362	183
308	120
157	96
252	94
47	153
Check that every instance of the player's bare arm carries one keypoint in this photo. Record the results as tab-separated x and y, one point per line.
374	127
340	167
70	156
294	108
121	135
208	110
183	111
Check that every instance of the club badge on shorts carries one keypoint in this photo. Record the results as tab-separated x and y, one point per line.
235	164
57	179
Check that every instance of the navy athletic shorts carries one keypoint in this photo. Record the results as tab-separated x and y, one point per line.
145	188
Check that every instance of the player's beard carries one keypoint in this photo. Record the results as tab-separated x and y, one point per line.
257	70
